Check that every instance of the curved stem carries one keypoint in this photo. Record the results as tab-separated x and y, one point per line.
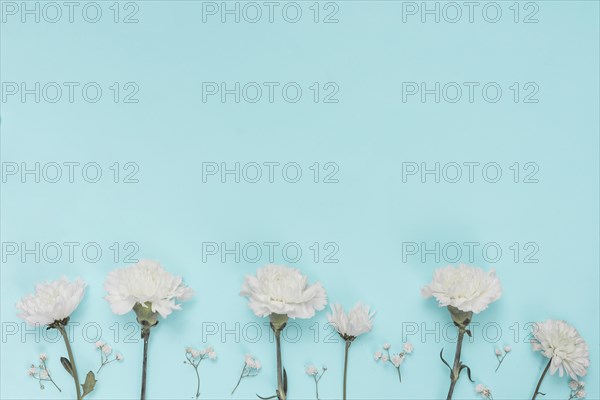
63	332
146	337
348	343
454	375
239	380
537	388
198	380
399	375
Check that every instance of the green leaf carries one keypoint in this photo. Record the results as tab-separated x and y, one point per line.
88	385
67	365
444	361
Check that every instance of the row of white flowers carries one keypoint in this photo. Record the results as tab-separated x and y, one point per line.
279	293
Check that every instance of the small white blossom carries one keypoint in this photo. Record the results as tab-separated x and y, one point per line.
386	346
107	349
32	371
408	348
498	352
397	360
311	370
119	357
507	349
378	355
43	356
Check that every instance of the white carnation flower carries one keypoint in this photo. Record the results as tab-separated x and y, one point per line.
277	289
142	283
358	321
466	288
562	343
52	301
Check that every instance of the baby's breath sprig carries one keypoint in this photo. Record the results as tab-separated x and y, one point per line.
194	357
41	372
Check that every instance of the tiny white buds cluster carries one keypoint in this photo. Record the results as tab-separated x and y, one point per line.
41	373
314	373
194	357
251	368
395	359
311	370
577	390
484	391
105	352
500	356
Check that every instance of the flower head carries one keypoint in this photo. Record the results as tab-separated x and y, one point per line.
378	355
386	346
397	360
107	349
507	349
119	357
251	362
277	289
143	283
312	370
99	344
358	321
466	288
408	348
32	371
43	356
498	352
52	301
484	391
562	343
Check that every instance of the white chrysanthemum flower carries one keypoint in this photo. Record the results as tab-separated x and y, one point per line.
52	301
277	289
143	282
358	321
466	288
562	343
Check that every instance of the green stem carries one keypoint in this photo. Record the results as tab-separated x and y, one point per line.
280	392
197	380
239	380
146	337
348	343
454	375
537	388
63	332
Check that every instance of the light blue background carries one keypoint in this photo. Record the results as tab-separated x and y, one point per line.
369	213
